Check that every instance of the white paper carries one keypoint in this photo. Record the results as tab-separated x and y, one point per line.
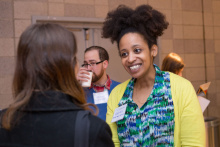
101	97
203	103
119	113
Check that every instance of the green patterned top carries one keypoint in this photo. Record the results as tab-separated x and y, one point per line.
152	124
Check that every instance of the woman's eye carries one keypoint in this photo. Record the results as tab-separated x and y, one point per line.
124	54
137	50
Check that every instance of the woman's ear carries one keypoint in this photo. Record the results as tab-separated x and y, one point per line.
154	50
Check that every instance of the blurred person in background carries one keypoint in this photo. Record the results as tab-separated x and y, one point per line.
47	95
173	63
96	60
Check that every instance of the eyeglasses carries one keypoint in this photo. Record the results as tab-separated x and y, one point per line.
91	64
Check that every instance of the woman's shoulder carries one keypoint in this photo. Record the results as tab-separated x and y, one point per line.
100	132
121	86
95	119
117	93
181	87
178	80
97	123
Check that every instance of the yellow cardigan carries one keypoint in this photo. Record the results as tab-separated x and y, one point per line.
189	122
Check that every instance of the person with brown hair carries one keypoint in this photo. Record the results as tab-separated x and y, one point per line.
153	108
96	60
47	95
173	63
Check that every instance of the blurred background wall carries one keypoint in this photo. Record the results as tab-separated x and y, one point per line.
193	33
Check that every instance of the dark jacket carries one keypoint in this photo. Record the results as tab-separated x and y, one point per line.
49	121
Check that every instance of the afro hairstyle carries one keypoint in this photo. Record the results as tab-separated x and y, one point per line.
144	20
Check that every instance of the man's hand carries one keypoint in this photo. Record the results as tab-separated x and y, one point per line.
83	75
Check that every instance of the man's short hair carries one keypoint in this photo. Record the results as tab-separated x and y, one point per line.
103	54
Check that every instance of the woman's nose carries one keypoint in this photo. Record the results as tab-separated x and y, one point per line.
131	58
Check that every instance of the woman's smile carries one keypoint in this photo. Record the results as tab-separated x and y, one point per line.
135	68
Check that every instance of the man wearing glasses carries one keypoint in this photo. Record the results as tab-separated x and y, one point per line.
96	59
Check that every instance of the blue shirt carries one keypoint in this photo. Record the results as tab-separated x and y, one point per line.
102	107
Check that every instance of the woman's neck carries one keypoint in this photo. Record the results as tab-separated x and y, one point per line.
143	87
147	80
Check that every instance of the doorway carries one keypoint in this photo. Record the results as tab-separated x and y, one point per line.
88	33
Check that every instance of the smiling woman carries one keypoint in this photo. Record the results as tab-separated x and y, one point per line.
158	107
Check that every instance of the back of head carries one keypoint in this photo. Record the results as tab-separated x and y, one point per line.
144	20
46	60
173	63
103	54
45	57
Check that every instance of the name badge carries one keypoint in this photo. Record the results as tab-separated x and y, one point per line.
101	97
119	113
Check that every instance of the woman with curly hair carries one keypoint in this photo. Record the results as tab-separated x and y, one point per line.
153	108
173	63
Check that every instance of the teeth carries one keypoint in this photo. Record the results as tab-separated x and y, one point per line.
134	67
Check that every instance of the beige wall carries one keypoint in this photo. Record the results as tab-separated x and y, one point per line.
188	29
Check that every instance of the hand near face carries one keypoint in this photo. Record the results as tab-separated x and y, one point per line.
83	75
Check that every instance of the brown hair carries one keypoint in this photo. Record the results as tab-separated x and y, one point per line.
173	63
103	54
46	60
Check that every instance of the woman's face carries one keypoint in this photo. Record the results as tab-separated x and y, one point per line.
136	57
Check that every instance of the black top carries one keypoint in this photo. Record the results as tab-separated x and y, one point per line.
49	121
